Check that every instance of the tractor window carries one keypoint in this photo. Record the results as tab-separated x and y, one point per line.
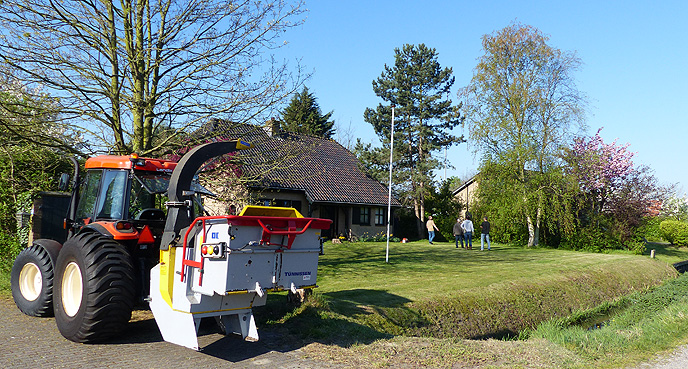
112	196
88	192
153	182
142	200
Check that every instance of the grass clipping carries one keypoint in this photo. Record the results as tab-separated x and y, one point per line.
511	308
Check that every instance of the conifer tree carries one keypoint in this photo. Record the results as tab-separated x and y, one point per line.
303	115
418	87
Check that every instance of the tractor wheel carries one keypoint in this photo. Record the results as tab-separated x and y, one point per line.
32	282
94	288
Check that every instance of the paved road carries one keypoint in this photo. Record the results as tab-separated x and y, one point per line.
676	360
29	342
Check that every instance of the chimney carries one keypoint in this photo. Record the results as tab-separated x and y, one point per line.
272	127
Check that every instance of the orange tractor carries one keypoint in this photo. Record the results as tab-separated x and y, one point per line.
136	232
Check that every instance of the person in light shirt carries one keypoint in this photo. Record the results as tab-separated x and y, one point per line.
430	225
468	230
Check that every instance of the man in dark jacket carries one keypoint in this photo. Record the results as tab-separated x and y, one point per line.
458	233
485	234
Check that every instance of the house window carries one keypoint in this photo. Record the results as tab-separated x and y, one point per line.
296	204
380	216
288	204
361	216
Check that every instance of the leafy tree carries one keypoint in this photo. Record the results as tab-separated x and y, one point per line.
600	168
25	170
618	195
418	87
30	160
121	70
28	117
303	115
521	104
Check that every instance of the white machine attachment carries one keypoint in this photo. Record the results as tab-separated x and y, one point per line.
227	264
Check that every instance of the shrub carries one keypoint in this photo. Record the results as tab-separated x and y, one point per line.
9	248
675	232
591	239
650	229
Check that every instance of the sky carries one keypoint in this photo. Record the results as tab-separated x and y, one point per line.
634	71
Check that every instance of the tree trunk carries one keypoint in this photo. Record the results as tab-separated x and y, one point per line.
420	218
531	231
538	220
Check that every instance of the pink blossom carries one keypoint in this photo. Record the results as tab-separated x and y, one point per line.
601	166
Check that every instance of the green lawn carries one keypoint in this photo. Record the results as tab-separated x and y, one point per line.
419	271
367	297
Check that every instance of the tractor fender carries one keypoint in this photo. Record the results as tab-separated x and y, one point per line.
51	246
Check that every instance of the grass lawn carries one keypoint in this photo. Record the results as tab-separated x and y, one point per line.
419	271
362	290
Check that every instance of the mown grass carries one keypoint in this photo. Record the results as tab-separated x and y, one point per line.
418	309
442	291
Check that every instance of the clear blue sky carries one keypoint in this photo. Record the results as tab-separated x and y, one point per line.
634	54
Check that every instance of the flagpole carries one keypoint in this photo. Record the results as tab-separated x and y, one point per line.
389	196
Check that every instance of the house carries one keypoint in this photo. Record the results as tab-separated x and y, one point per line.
466	194
317	176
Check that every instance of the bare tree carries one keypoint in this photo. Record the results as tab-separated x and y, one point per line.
138	75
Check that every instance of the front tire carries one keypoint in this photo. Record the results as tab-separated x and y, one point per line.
32	282
94	288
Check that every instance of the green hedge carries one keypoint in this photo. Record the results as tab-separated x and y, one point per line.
674	231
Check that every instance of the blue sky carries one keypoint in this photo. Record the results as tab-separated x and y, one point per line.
634	54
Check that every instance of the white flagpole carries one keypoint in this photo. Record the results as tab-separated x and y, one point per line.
389	196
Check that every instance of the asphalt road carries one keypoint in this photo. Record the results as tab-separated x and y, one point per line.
29	342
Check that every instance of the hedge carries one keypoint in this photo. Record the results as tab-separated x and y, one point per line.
674	231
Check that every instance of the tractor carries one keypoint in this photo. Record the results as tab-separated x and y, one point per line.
137	232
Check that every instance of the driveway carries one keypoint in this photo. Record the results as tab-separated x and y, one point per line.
30	342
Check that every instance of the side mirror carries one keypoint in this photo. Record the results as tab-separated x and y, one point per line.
63	185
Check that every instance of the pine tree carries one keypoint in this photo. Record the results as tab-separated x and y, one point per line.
303	115
419	90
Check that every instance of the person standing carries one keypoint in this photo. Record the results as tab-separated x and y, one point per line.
468	230
430	225
458	233
485	234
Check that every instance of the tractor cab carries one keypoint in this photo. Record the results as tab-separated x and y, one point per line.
124	194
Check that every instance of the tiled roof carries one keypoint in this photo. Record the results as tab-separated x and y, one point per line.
322	168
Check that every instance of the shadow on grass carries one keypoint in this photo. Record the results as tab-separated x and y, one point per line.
327	319
348	299
665	249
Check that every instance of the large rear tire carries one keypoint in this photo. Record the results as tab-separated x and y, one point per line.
32	282
94	288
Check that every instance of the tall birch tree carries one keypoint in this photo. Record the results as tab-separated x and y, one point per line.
521	105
